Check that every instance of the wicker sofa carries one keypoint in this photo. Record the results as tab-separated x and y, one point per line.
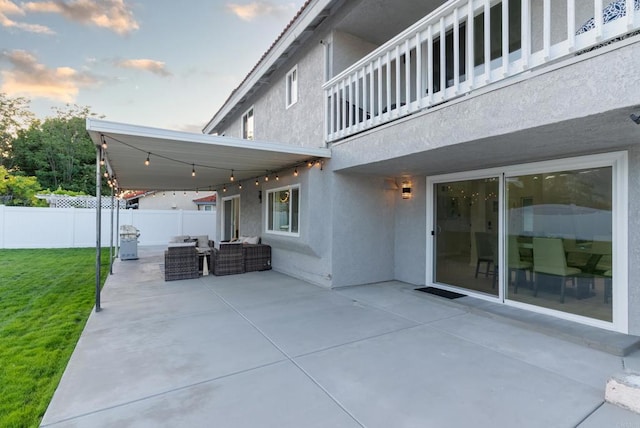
228	259
181	261
237	257
256	257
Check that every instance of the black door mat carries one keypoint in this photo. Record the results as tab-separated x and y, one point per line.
442	293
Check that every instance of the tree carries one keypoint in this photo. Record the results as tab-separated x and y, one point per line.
14	116
18	190
58	151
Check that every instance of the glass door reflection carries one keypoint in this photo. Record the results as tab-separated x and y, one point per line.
466	234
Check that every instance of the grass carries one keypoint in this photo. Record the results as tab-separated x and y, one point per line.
46	297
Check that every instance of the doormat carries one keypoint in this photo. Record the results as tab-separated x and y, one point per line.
442	293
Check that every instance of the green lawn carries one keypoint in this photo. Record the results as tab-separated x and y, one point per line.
46	297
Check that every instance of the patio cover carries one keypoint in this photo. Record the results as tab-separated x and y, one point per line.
173	155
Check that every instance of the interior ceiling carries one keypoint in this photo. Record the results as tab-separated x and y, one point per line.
364	19
606	132
174	155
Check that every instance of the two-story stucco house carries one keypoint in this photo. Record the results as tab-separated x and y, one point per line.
478	146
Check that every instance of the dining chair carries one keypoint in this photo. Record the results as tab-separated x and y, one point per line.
549	259
517	266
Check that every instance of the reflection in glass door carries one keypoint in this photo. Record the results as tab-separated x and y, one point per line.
231	218
466	234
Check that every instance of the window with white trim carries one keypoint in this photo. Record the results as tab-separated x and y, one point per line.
247	125
292	86
283	210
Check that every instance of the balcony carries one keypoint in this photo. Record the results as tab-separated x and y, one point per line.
448	54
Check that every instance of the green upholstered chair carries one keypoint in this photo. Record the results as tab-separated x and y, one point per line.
517	266
549	259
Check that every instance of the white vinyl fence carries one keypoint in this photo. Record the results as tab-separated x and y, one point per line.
26	227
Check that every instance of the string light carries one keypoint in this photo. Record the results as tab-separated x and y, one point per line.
257	182
193	170
106	174
240	186
295	172
147	162
224	188
231	178
102	161
277	178
310	164
266	177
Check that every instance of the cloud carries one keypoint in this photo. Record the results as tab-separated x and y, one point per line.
152	66
7	8
114	15
32	79
250	11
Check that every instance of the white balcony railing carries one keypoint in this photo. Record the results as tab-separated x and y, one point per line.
415	70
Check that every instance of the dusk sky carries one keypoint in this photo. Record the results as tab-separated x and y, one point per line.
162	63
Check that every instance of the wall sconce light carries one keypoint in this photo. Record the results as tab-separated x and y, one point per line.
406	190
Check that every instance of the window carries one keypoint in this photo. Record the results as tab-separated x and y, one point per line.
283	210
247	125
292	87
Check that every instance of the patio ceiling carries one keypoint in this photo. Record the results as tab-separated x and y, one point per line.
173	155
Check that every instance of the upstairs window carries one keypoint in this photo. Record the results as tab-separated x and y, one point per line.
292	87
247	125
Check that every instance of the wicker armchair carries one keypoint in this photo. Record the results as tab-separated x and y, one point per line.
256	257
181	261
228	259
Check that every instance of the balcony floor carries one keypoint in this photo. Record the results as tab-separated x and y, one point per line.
264	349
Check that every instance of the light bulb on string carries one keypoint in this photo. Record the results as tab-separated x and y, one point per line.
295	172
102	161
232	177
240	186
193	170
147	162
277	177
224	188
257	182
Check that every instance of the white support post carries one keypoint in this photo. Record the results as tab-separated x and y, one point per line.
505	38
470	66
429	65
419	85
631	11
388	82
443	59
487	41
525	36
407	74
398	83
456	51
546	29
571	24
598	10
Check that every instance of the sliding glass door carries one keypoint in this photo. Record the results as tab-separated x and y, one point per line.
551	236
466	234
559	240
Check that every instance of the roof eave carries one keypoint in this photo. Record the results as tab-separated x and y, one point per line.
304	24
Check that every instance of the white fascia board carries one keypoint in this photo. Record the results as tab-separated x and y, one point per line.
309	15
96	127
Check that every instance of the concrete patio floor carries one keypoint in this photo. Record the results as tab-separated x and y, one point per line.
263	349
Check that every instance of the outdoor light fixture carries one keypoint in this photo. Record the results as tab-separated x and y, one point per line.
310	164
295	172
147	162
277	178
257	182
193	170
635	118
406	190
266	177
240	185
224	188
231	178
102	161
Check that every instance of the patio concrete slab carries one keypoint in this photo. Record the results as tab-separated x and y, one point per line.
425	377
265	349
278	396
309	323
